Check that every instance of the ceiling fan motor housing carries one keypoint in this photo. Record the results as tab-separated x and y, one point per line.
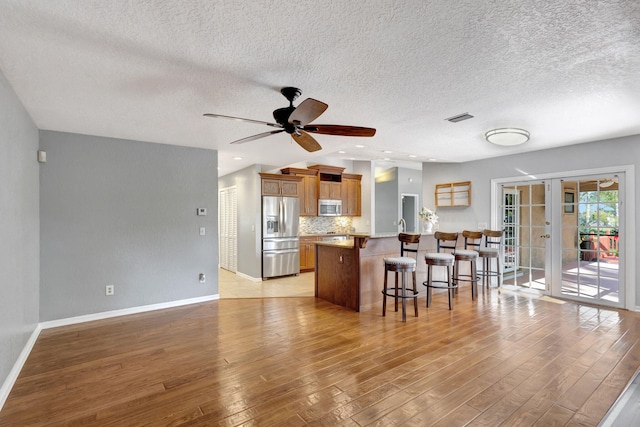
281	116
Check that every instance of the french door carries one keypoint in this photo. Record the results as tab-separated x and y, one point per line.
590	237
526	226
564	237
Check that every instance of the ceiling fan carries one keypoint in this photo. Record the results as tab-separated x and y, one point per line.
295	121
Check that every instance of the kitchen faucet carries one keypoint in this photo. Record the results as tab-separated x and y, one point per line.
403	224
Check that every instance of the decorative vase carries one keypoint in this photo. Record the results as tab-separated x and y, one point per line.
427	227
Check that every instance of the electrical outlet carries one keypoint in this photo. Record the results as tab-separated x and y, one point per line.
203	231
482	225
109	290
202	278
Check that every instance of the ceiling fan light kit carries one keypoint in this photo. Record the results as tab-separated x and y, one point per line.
507	136
295	121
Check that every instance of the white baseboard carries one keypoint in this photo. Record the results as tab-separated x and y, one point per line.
125	311
22	358
17	367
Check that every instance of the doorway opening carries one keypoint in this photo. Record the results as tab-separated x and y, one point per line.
409	205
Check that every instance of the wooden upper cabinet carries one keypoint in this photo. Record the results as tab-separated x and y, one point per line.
309	190
280	185
329	181
330	190
351	195
318	182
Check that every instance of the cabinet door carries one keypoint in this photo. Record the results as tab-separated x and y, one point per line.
270	187
351	198
307	253
309	197
325	190
330	190
289	188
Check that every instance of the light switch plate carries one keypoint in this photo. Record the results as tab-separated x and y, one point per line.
202	211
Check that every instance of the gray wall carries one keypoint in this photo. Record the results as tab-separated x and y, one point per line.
247	182
19	228
600	154
123	213
386	201
388	188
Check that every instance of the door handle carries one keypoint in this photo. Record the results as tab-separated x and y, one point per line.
546	236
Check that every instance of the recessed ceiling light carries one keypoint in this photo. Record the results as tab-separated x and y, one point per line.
387	159
342	152
432	160
359	146
237	158
412	155
507	136
387	151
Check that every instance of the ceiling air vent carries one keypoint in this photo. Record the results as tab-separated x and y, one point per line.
459	118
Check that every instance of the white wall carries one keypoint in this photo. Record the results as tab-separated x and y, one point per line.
599	154
19	228
123	213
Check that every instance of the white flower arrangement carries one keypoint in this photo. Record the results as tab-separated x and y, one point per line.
428	215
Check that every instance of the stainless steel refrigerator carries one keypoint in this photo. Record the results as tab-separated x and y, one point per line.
280	241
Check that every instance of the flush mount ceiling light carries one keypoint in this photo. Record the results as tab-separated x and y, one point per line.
507	136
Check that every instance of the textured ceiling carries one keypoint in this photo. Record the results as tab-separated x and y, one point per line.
567	71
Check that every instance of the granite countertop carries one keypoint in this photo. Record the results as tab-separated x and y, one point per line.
347	243
384	235
323	234
356	234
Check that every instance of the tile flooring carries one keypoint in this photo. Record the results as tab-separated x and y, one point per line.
231	285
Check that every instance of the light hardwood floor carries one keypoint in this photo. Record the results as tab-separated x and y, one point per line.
506	359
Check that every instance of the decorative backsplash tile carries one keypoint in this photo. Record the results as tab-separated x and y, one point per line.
325	224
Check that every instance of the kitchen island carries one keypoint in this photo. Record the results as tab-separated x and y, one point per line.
350	272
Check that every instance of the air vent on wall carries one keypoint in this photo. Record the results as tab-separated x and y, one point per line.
459	118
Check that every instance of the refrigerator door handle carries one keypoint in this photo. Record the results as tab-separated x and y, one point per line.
281	218
284	216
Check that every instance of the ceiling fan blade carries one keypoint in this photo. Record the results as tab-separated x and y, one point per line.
308	110
240	119
340	130
258	136
306	141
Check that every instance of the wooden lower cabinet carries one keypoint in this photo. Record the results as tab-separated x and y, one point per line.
308	253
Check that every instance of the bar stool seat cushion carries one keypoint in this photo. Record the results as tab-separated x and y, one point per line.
407	261
466	252
439	256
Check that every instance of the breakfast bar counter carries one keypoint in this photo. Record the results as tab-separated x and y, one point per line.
349	272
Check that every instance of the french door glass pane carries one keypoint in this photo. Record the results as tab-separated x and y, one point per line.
590	240
523	213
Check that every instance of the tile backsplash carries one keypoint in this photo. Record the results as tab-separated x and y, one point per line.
325	224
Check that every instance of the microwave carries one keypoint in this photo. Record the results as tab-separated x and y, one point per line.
328	207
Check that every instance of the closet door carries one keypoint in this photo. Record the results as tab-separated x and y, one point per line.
228	202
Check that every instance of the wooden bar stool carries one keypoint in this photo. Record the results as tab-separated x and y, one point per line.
472	241
402	265
445	241
491	250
